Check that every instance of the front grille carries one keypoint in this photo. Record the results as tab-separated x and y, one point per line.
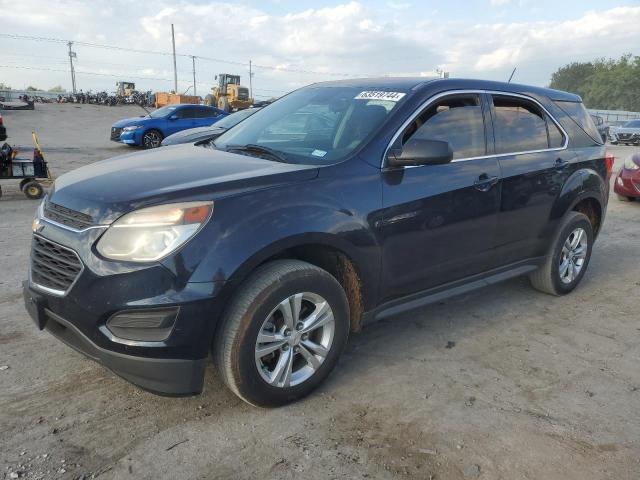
115	133
243	94
66	216
52	265
628	137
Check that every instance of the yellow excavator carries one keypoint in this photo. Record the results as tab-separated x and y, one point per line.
229	95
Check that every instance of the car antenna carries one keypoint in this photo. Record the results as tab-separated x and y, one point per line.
511	76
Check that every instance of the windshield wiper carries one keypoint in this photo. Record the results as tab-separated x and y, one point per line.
252	147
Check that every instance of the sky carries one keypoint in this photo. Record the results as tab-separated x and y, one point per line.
292	43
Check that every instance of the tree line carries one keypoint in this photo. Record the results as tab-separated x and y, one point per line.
606	84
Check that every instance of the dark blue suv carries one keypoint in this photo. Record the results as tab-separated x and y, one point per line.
337	205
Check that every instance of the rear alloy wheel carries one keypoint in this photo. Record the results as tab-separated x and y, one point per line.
152	139
282	333
567	261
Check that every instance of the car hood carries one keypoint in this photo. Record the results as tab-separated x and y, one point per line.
193	135
105	190
126	122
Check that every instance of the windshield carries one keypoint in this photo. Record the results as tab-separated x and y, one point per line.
633	124
235	118
317	125
162	112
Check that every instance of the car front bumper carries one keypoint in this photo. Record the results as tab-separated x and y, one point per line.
165	376
173	365
627	183
129	137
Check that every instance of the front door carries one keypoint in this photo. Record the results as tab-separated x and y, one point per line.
439	221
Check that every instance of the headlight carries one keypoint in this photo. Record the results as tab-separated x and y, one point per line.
149	234
629	164
131	128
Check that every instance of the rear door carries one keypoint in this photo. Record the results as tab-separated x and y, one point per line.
531	148
440	221
207	116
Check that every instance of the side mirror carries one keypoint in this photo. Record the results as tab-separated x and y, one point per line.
420	152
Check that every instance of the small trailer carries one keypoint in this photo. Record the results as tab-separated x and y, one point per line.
33	174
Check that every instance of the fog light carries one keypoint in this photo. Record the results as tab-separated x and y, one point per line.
152	325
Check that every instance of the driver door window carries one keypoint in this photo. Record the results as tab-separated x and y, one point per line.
457	120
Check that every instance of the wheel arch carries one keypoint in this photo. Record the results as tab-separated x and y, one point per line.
323	250
584	191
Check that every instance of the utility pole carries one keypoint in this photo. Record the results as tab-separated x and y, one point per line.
193	61
72	55
250	81
175	68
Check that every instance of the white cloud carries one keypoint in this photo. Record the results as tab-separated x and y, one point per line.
499	3
352	37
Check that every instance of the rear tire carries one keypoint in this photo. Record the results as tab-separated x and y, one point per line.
565	264
24	182
624	198
286	372
33	190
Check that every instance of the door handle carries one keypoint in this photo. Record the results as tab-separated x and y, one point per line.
485	182
560	163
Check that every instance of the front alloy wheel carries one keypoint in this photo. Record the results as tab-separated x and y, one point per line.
294	340
151	139
282	333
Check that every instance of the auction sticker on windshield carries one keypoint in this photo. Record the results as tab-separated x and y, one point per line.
373	95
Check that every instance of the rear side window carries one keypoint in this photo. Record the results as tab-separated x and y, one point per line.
556	137
458	120
188	112
519	125
204	112
579	114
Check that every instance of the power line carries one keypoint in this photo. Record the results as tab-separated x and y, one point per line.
127	75
156	52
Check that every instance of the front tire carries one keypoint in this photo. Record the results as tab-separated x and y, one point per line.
152	139
568	259
282	333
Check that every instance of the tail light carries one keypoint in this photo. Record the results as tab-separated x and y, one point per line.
0	119
608	161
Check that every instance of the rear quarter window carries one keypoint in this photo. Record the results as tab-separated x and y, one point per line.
581	117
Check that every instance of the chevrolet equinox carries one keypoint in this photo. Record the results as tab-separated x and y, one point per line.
339	204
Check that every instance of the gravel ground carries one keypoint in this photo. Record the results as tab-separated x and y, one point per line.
505	383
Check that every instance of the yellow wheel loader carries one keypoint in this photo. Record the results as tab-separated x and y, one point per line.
229	95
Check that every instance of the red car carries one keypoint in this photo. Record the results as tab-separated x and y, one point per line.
627	184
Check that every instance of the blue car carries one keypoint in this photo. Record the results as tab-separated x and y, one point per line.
149	131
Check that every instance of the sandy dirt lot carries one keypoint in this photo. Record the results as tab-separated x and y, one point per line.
535	387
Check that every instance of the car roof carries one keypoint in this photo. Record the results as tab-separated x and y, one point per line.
419	84
181	105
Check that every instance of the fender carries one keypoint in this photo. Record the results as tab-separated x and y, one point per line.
582	184
247	230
